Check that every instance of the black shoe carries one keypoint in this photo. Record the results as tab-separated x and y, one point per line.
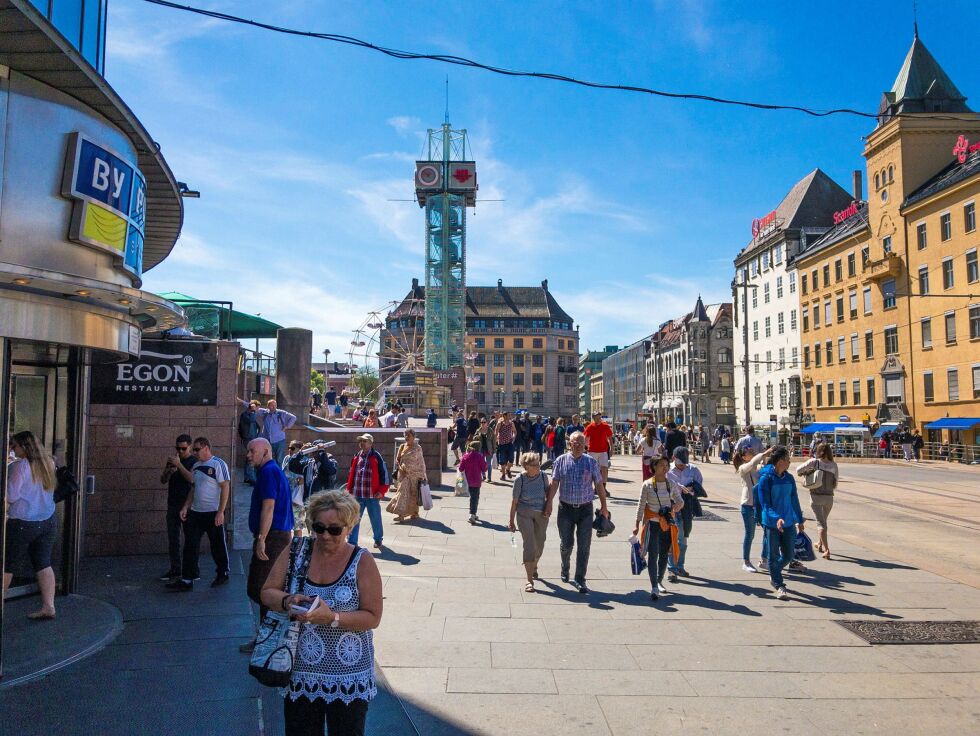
564	577
671	577
221	579
170	575
582	587
683	573
180	586
654	597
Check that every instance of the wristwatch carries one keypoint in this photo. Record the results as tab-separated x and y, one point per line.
336	620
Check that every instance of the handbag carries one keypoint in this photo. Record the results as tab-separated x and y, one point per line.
603	526
275	644
66	485
426	494
637	562
462	488
813	480
804	548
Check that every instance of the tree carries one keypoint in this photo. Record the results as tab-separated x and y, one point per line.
366	381
317	381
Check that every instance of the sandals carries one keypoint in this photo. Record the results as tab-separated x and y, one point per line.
41	616
529	588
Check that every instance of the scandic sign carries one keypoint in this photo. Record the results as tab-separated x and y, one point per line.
962	149
166	373
842	215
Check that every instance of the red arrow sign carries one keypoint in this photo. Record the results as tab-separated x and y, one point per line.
462	175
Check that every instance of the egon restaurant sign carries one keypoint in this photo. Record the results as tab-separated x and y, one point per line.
166	373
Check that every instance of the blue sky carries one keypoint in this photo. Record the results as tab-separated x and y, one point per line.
630	205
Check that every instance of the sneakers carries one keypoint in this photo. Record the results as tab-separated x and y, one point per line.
763	564
180	586
473	519
683	573
797	566
747	567
378	544
582	587
781	593
221	579
671	577
170	575
654	596
564	577
661	589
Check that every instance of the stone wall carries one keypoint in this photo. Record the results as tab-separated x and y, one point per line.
433	443
127	449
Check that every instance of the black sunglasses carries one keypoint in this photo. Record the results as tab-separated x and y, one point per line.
197	449
320	528
181	448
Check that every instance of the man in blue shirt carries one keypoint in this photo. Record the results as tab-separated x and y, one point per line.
270	519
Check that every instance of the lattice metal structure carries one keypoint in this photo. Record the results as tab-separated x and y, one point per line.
445	186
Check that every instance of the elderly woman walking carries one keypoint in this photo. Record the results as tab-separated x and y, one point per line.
527	513
822	496
411	474
332	680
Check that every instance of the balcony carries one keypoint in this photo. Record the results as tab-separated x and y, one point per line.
888	267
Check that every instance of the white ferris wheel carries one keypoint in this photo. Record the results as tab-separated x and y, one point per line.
389	342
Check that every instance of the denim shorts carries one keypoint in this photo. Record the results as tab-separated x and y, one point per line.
33	539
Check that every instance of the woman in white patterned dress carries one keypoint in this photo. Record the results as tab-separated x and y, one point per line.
333	675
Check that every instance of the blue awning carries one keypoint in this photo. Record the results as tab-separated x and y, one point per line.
832	427
954	423
886	427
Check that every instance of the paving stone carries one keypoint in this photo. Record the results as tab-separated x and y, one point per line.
500	680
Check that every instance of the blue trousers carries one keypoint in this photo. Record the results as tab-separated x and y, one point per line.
278	451
782	548
748	521
373	508
678	564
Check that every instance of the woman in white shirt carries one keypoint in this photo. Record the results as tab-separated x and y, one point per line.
747	464
31	524
660	501
649	446
822	497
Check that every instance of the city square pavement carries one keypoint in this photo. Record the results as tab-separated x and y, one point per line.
466	650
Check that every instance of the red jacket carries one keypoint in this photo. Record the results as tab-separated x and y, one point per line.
379	475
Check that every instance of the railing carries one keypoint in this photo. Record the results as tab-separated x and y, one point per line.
258	362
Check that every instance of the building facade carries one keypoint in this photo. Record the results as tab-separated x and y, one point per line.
588	366
766	303
623	385
597	405
885	295
689	374
524	347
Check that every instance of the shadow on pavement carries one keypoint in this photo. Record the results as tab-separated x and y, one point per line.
874	564
387	553
433	526
492	527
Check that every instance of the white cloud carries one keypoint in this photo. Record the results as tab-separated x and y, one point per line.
405	124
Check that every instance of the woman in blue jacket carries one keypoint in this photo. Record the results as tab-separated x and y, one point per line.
782	516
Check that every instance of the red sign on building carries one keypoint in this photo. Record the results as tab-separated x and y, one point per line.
842	215
761	225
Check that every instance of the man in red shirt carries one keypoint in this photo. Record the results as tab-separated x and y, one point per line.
598	434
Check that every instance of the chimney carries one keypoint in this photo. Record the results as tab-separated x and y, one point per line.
415	285
500	283
858	187
544	284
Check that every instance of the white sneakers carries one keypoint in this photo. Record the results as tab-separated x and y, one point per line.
747	567
781	593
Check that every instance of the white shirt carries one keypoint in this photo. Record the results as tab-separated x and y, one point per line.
28	499
656	450
208	476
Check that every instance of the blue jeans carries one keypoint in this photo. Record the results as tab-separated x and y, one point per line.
675	565
748	520
782	548
373	508
278	451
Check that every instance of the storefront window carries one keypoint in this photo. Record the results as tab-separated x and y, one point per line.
82	22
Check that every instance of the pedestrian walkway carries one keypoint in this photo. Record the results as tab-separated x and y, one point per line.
462	642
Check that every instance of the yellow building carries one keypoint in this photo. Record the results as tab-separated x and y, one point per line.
862	302
596	392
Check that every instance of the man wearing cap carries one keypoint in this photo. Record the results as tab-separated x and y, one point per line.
368	482
597	433
579	479
683	474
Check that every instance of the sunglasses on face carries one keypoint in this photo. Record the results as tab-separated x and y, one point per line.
197	449
320	528
182	448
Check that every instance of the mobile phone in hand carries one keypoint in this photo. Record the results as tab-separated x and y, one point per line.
305	606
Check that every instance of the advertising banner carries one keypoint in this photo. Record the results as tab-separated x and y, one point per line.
166	373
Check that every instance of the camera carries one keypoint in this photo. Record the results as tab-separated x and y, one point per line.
666	512
313	447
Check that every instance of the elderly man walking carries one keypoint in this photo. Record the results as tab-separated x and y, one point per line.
270	519
368	482
576	478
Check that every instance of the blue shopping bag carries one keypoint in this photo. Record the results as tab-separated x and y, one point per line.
637	563
804	548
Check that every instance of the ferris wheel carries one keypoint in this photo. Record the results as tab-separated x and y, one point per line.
389	342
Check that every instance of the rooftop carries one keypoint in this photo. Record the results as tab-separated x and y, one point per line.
494	302
850	227
952	174
921	86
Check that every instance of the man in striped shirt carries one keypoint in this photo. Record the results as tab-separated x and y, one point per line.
506	432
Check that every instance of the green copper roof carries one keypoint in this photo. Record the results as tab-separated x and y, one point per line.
922	86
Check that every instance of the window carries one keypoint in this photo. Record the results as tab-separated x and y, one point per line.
724	355
518	361
826	275
814	283
838	270
792	319
819	395
869	345
841	349
806	319
537	361
891	173
519	343
920	236
852	303
769	398
865	256
498	379
972	271
871	392
843	393
827	316
950	327
976	381
479	343
777	254
758	397
840	309
806	356
923	279
517	379
768	326
796	357
779	287
725	380
765	293
830	393
953	384
780	324
927	387
481	359
886	244
498	324
816	355
783	395
969	217
891	340
480	396
829	351
856	392
945	227
792	282
926	333
888	294
808	398
537	398
561	344
537	343
498	343
755	362
518	398
498	360
867	300
947	273
802	284
755	330
537	379
855	347
768	360
975	322
754	266
765	260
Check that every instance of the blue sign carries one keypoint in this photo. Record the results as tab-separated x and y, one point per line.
111	213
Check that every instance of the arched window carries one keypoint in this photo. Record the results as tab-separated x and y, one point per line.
877	182
724	355
891	173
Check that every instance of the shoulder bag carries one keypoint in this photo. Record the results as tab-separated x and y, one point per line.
813	481
66	485
275	644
